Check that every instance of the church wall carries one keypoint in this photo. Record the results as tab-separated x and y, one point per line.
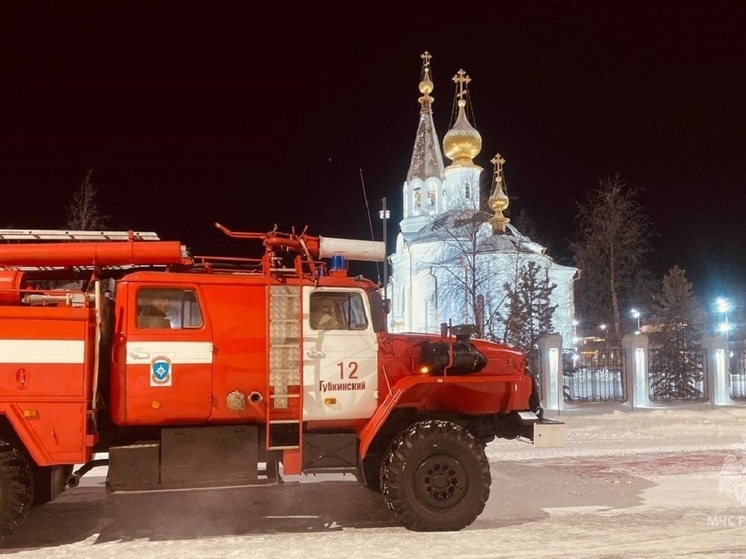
426	294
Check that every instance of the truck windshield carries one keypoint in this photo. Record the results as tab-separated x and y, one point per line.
337	310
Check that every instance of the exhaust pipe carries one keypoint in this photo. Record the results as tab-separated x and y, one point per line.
73	480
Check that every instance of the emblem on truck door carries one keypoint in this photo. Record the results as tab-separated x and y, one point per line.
160	371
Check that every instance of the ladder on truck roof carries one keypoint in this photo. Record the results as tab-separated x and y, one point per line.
70	235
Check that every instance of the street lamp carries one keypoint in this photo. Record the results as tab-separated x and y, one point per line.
723	306
636	314
384	214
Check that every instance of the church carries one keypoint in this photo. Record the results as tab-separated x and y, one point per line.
454	254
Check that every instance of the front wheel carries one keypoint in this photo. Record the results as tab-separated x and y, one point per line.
435	477
16	488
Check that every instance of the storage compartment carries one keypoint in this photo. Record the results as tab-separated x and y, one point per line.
548	434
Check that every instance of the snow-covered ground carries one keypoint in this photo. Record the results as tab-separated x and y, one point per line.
656	483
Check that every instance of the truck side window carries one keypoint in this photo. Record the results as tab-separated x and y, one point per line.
168	308
342	310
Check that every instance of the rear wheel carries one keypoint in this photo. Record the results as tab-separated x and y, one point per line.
16	488
435	477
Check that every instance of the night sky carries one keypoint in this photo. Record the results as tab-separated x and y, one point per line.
192	113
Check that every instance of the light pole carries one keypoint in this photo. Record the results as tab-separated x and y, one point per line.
384	214
723	306
636	314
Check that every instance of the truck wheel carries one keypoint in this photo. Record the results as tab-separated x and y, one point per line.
16	488
435	477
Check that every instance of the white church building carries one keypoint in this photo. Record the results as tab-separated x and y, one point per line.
452	258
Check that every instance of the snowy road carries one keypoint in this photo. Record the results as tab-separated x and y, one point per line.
626	485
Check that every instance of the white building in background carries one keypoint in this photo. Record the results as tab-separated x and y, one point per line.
452	258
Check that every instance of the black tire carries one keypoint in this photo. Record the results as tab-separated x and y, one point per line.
435	477
16	488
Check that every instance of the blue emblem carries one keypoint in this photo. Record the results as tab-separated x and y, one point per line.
160	370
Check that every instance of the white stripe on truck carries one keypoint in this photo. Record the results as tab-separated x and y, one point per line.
178	352
42	351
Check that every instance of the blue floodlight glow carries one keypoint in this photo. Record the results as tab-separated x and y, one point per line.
722	304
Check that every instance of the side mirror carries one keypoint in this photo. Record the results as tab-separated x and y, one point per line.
386	305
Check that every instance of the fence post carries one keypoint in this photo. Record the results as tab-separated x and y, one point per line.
717	373
552	380
637	389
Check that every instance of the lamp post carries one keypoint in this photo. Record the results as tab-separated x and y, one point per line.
384	214
723	306
636	314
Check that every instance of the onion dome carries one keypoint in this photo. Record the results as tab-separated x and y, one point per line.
462	143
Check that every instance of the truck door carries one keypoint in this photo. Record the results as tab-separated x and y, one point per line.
340	352
167	358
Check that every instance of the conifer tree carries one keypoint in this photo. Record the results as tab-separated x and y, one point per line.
530	311
677	367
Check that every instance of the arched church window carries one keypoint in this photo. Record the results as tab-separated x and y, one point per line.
417	199
431	198
398	300
467	190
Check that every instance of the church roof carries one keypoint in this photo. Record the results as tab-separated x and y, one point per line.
463	224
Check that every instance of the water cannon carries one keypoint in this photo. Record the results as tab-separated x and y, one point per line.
315	247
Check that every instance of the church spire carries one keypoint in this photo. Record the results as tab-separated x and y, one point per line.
498	200
427	161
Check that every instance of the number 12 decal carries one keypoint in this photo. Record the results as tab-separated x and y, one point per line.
352	366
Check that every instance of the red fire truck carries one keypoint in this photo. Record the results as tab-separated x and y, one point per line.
188	371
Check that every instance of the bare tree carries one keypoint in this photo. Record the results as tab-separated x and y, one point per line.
611	247
473	265
528	226
466	288
83	213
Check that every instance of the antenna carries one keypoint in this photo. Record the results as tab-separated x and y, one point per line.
370	222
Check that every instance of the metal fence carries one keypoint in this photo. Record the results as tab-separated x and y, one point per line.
595	375
677	377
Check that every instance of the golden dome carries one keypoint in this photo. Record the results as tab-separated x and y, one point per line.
426	85
462	143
